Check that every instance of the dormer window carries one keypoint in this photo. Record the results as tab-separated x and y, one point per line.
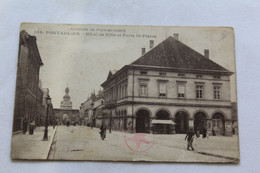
162	74
198	76
181	74
216	77
143	72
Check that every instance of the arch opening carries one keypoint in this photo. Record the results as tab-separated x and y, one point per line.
163	127
142	121
218	124
162	115
200	121
182	122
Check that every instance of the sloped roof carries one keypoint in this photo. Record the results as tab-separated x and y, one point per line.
174	54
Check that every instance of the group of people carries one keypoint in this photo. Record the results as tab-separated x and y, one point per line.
31	125
191	135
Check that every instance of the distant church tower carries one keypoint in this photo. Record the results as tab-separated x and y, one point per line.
66	104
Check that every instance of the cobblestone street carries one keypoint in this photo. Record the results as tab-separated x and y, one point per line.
84	143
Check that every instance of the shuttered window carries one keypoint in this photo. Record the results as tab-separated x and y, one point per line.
162	89
181	90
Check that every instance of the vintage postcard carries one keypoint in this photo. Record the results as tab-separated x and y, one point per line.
125	93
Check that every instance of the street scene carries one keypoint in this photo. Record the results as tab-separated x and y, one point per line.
84	143
125	93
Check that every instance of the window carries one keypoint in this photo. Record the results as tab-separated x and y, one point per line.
217	92
181	74
198	76
199	91
181	90
123	90
119	92
162	89
126	90
143	72
162	74
143	89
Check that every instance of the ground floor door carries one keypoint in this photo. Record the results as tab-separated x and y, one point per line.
199	121
142	121
181	120
218	124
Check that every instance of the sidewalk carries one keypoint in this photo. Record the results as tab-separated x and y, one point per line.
219	146
31	147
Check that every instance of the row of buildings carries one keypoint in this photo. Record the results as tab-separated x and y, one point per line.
169	82
30	97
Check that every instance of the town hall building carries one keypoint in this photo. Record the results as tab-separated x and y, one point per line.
170	82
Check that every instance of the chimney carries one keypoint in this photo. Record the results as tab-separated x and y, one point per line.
206	53
151	44
176	36
143	51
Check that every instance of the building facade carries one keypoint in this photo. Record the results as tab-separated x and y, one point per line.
27	94
170	82
91	110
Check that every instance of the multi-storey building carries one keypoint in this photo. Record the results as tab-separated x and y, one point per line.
92	108
171	81
27	89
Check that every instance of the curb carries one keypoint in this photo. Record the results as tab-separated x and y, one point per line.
220	156
51	141
15	133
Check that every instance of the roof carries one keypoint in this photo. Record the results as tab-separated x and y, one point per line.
29	40
111	73
174	54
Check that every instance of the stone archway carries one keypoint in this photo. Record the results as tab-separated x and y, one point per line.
200	121
182	122
162	128
142	121
162	115
218	123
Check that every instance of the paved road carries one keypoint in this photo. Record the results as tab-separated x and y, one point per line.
83	143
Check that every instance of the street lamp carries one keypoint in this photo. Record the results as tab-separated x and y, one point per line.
48	101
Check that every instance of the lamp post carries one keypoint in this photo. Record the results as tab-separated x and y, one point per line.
48	101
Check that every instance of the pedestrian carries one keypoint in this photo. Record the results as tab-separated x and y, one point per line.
54	124
204	133
25	124
198	132
102	132
190	137
31	127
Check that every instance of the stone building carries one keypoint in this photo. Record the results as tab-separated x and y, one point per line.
91	109
170	82
66	113
27	94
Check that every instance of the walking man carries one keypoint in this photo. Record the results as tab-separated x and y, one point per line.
102	132
25	124
190	136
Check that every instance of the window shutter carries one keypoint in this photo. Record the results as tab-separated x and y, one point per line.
181	89
162	88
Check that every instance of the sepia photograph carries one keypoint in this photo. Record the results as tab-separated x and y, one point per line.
125	93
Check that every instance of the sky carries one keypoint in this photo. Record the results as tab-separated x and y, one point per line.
80	56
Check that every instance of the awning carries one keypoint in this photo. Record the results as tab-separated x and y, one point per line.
163	122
